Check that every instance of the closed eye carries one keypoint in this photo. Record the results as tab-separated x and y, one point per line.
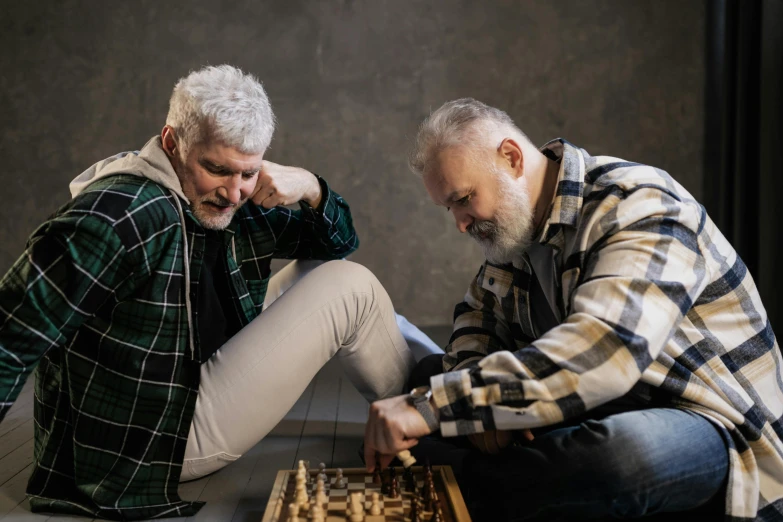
461	202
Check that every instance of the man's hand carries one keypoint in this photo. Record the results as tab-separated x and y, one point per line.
394	425
281	185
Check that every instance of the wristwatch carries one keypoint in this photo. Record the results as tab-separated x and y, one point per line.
419	398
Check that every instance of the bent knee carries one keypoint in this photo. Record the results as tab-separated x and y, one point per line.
346	273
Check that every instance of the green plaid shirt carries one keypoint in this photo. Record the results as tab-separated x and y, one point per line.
654	301
98	297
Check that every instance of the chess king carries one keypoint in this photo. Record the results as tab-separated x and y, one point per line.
611	318
151	289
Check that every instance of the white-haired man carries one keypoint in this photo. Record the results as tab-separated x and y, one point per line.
612	319
142	300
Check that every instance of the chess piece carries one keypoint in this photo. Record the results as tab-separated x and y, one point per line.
385	482
293	512
357	508
415	513
308	476
318	514
322	472
376	475
394	488
429	497
375	508
301	498
339	482
425	490
437	515
320	494
406	458
410	480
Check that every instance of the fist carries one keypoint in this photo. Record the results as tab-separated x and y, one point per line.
282	185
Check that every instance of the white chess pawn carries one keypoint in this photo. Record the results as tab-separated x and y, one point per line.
322	474
301	497
308	477
318	514
339	483
293	513
320	495
375	508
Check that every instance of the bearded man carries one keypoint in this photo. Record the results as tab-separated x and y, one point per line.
611	359
142	299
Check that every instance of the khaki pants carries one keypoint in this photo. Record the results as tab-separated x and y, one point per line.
313	311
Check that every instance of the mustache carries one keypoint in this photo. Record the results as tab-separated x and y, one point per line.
220	201
482	230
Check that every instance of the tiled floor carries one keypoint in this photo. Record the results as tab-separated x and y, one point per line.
325	425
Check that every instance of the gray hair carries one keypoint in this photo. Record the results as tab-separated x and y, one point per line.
221	103
461	122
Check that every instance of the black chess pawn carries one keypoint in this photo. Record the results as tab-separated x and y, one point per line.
436	515
410	480
394	488
385	483
425	490
376	475
415	514
430	497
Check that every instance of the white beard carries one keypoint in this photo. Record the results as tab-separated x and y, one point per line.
512	231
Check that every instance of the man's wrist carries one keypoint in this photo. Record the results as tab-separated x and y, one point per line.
314	195
421	399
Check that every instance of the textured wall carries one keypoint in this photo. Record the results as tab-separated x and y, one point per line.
350	81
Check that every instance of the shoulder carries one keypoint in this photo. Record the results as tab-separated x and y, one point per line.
619	194
135	208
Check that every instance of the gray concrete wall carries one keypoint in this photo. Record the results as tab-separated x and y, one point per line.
350	81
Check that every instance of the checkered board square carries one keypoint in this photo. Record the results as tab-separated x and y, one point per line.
359	481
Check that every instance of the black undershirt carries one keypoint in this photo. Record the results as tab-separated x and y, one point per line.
217	320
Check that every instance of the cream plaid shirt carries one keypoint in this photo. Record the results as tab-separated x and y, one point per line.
652	295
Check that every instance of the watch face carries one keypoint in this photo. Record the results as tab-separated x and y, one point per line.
420	392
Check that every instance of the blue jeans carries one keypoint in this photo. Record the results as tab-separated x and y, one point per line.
623	465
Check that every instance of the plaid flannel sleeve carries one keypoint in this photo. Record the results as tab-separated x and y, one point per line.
642	274
479	324
71	267
325	232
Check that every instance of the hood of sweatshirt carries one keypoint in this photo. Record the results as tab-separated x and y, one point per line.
150	162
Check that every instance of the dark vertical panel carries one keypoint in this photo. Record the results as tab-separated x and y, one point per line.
771	163
743	119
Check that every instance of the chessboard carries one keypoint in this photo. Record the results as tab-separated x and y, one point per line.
359	485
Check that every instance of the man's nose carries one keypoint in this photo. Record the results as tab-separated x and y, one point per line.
233	189
463	220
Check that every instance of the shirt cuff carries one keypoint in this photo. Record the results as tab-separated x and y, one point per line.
452	395
325	194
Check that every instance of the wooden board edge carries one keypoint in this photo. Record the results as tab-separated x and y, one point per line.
458	507
281	481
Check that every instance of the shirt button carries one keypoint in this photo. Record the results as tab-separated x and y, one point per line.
197	254
491	281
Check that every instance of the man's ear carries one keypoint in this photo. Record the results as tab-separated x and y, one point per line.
512	154
168	142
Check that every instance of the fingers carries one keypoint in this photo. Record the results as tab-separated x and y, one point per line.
528	435
272	200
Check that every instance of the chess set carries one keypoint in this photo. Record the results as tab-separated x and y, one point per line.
403	494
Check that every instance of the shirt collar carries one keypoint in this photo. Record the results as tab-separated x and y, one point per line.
568	200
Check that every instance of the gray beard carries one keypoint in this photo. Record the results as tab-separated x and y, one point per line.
506	238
